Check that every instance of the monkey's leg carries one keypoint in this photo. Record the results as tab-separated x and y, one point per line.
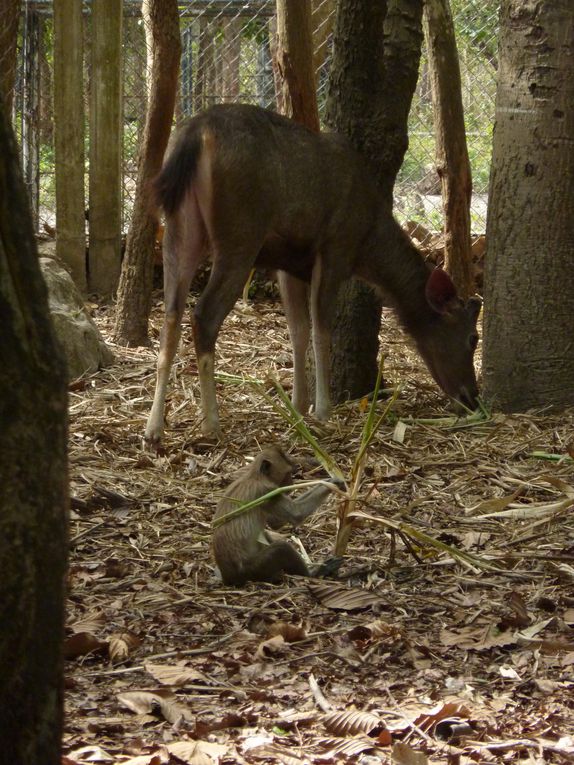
272	561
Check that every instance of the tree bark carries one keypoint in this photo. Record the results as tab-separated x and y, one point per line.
10	16
528	358
376	55
230	58
452	163
69	138
105	147
294	61
135	290
33	477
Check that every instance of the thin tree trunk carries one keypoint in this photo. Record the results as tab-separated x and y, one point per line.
30	110
230	59
105	147
10	17
135	290
34	493
69	138
452	161
528	358
294	61
373	77
297	97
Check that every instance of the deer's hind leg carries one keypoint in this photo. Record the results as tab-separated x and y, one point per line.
295	299
331	270
229	274
183	250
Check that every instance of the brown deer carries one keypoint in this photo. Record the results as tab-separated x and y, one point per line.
252	188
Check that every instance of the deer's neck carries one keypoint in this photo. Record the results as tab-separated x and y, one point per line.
397	269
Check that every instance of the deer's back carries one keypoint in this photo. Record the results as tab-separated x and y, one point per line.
275	179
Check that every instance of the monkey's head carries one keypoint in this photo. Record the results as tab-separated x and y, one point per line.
275	465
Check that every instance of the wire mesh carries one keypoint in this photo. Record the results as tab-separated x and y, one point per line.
227	48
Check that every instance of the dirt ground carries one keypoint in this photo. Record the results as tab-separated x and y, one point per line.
412	656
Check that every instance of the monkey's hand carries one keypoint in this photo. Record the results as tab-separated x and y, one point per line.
328	569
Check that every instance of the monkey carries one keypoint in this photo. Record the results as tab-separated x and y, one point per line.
243	547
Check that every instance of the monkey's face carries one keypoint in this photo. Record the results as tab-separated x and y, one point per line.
276	466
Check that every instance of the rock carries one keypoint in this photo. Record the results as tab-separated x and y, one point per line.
83	345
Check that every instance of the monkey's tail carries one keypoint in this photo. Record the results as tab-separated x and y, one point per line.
178	171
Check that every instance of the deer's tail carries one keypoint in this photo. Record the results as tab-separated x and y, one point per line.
178	172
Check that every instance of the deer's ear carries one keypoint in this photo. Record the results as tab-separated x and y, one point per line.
265	467
440	291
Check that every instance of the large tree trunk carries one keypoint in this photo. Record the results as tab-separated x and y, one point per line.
33	497
528	356
135	290
9	16
373	77
453	165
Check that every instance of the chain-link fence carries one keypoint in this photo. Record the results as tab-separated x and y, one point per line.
227	48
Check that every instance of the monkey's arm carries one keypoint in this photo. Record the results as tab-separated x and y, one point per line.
288	511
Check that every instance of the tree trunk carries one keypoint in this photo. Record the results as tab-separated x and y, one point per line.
10	16
230	58
376	56
33	477
106	136
69	138
452	161
528	356
135	290
30	110
294	61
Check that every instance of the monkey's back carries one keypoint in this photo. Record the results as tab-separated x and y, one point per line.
235	542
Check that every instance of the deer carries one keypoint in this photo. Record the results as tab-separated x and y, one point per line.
250	188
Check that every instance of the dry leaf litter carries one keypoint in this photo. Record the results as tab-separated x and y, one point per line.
410	657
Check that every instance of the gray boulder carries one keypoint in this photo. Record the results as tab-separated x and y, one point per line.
83	345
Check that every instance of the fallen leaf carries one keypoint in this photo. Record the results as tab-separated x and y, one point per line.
509	672
404	755
197	752
269	647
346	747
83	643
478	638
149	703
174	674
291	633
352	722
120	646
91	754
91	622
338	596
428	720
